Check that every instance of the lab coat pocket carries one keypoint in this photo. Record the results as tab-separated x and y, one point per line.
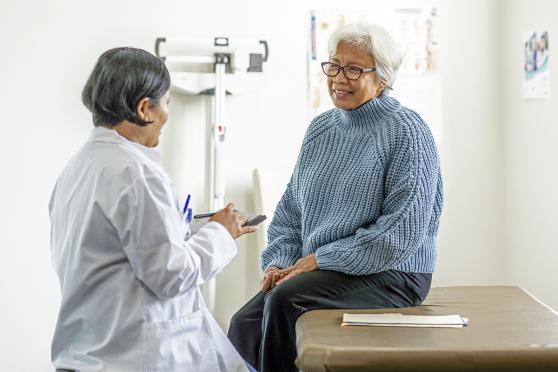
181	344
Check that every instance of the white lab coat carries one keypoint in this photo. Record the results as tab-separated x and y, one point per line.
130	283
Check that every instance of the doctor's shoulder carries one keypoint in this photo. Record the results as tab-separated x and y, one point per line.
117	166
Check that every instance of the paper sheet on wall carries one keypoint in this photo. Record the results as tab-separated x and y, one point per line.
536	66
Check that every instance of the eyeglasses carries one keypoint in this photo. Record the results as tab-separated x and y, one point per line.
350	72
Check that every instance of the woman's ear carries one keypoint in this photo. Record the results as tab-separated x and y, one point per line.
142	109
381	87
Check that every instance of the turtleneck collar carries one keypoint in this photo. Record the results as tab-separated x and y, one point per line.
371	112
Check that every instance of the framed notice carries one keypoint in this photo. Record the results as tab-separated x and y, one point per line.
536	65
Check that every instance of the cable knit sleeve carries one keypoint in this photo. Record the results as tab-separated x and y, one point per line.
410	199
284	233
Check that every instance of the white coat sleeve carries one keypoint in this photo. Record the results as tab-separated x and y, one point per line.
150	229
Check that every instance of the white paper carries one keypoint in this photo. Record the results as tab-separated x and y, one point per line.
400	320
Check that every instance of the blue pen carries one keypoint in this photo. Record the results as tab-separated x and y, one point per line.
186	204
188	216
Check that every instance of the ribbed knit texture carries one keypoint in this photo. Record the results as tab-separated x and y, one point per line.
365	195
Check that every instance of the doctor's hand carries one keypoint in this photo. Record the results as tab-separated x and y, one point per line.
232	221
303	265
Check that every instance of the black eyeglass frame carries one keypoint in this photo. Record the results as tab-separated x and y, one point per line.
342	68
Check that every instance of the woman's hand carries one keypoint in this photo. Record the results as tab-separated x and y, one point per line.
232	221
268	281
303	265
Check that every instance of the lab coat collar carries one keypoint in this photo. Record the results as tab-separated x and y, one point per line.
103	134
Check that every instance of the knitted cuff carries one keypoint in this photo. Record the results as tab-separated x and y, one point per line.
280	261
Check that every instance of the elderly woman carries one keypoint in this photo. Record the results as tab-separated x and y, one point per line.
129	280
357	224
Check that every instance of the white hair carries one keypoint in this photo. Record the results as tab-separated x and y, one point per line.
375	40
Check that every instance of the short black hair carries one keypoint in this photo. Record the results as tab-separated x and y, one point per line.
121	78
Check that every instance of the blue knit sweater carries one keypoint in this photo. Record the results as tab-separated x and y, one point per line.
365	194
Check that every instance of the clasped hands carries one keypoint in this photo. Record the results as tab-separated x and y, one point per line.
275	276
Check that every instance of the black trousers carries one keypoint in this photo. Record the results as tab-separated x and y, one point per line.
263	331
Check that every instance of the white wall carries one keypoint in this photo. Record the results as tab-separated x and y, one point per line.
50	48
471	232
531	129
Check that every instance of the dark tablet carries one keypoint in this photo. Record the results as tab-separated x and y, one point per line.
255	221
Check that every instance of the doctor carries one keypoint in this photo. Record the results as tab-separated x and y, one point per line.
130	282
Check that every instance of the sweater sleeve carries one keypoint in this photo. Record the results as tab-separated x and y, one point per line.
284	233
410	184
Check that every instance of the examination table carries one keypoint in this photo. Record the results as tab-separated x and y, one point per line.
508	330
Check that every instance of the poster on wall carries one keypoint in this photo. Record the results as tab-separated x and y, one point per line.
536	67
415	29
